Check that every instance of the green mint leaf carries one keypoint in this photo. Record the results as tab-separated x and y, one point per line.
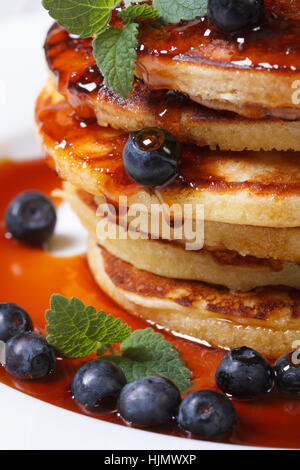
75	330
173	11
147	353
139	11
82	17
115	54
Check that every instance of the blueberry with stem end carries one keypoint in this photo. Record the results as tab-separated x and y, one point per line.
207	413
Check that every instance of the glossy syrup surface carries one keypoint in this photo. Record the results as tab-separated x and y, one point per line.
275	45
29	276
71	61
94	154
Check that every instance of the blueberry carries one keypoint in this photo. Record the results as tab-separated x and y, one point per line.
28	355
231	16
31	218
287	374
244	373
97	380
207	413
149	401
152	156
13	320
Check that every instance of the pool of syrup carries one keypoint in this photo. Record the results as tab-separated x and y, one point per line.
29	276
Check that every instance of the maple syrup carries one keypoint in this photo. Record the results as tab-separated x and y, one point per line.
97	152
274	46
65	53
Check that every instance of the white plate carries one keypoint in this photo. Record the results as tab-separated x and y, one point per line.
31	423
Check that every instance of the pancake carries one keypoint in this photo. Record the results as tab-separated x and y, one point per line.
245	188
168	259
266	319
73	69
258	242
251	73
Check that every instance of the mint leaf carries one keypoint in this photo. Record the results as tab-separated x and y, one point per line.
115	54
147	353
139	11
82	17
173	11
75	330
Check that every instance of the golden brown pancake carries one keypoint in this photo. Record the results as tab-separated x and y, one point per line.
245	188
258	242
251	73
168	259
266	319
74	71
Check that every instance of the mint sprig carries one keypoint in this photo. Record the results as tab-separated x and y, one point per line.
147	353
115	51
76	331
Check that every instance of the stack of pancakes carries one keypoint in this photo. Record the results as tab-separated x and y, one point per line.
229	102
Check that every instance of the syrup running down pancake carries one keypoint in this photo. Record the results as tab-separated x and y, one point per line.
246	188
251	73
72	67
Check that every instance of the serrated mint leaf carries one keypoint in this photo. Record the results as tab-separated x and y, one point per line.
173	11
75	330
139	11
115	54
147	353
82	17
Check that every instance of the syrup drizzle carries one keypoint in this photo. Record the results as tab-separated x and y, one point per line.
65	53
274	46
98	152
